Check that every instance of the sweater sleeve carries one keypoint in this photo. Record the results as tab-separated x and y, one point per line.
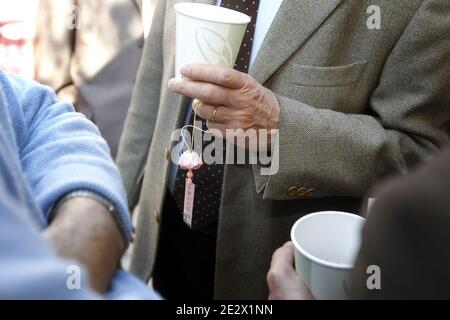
62	151
28	268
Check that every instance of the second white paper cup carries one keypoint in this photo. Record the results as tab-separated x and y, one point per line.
208	34
326	246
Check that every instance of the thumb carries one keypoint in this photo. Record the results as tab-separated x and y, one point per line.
283	258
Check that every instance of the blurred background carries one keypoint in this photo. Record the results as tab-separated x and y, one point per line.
88	51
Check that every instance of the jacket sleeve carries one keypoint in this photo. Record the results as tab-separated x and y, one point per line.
336	154
139	125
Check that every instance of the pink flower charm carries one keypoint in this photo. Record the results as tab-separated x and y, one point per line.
190	160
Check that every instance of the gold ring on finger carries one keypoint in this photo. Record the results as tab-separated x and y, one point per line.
213	118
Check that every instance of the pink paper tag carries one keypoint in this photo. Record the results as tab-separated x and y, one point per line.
189	202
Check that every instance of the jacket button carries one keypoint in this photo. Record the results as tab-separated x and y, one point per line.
292	192
305	192
311	193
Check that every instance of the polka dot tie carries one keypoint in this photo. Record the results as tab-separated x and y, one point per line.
209	178
250	8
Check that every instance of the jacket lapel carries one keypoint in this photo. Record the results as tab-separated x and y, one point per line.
295	22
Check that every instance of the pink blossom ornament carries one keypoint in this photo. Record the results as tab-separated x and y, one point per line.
190	160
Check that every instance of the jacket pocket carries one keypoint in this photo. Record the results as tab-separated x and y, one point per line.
339	76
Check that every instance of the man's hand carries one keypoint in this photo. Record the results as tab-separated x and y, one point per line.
283	281
228	99
85	231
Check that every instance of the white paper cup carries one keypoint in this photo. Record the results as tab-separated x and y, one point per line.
326	247
208	34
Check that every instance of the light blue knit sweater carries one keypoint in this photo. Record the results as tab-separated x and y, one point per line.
47	151
60	151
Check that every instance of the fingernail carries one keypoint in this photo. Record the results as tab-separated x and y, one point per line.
185	71
172	84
